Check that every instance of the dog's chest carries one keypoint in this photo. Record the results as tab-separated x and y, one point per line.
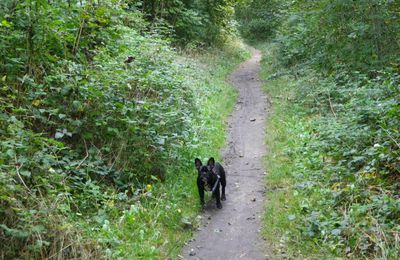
208	183
207	186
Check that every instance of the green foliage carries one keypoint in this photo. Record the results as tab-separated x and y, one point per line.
343	152
196	22
337	62
334	35
286	129
100	120
350	159
259	19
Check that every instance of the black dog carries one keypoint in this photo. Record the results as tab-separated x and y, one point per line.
210	178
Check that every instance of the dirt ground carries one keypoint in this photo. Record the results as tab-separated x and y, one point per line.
234	231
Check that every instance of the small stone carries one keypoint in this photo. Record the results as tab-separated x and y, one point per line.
252	119
253	199
192	252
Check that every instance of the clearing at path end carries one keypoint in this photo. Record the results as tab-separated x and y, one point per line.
234	232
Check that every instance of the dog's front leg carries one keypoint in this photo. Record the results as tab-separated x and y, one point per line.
223	184
200	186
218	197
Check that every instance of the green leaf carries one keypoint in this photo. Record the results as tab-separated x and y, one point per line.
14	232
10	152
5	23
25	173
336	232
38	229
59	135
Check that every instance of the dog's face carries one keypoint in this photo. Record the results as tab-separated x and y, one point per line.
204	171
204	174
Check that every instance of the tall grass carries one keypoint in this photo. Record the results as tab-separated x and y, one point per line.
286	126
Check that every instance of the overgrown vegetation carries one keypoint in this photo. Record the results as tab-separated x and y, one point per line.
101	116
100	119
195	22
333	73
258	19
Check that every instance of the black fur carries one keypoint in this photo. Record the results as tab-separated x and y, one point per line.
211	177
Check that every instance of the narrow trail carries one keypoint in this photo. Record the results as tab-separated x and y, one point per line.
234	231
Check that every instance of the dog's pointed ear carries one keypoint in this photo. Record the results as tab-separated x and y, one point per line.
197	163
211	162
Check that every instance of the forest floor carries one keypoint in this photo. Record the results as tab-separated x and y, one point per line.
234	232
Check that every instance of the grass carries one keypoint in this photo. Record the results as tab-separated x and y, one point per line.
286	129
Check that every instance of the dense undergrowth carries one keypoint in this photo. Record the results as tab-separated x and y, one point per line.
100	119
337	193
334	157
333	185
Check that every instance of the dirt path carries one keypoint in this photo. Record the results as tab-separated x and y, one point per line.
234	231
